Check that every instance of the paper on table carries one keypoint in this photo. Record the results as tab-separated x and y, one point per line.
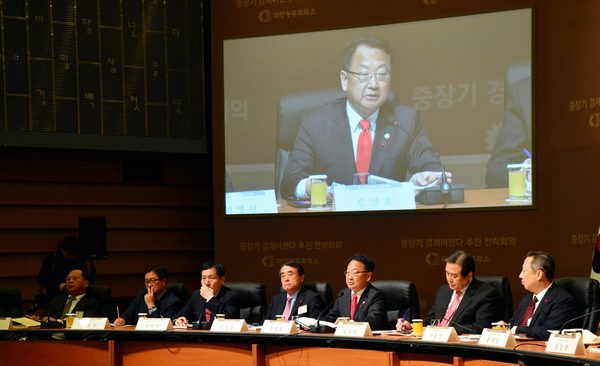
26	322
307	322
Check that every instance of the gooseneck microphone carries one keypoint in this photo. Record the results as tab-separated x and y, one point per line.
317	327
576	318
464	329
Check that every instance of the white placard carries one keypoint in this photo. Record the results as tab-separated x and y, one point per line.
374	197
570	344
229	325
279	327
161	324
353	329
250	202
497	338
91	323
5	323
440	334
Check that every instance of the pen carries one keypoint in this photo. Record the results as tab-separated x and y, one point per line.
118	313
402	321
527	152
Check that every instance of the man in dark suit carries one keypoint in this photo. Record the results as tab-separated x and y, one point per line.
303	302
467	304
156	300
75	299
362	133
547	306
360	301
211	299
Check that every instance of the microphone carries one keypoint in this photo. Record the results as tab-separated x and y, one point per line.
443	193
560	331
465	329
318	328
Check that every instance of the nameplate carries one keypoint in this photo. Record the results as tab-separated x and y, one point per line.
570	344
374	197
91	323
497	338
353	329
440	334
279	327
160	324
250	202
5	323
229	325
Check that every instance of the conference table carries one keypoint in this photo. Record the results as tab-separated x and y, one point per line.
474	198
124	346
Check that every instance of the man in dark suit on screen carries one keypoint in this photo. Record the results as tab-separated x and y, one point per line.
363	132
467	304
302	301
361	301
211	299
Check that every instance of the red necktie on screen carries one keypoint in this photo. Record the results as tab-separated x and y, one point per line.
353	306
288	308
528	312
452	309
207	314
363	149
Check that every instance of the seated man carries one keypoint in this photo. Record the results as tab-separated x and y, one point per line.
156	299
547	306
361	301
211	299
467	304
296	300
75	299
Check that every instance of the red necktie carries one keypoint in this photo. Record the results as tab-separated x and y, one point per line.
353	306
207	313
452	309
528	312
363	149
288	308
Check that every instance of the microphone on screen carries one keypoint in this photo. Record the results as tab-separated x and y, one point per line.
317	327
562	328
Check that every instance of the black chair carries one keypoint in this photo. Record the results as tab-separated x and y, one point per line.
502	284
586	292
11	303
179	289
402	300
253	300
323	289
102	294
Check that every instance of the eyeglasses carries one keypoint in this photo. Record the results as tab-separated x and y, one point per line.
210	278
152	280
354	274
364	77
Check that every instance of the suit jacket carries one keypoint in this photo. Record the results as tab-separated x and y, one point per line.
305	297
514	135
324	146
225	302
89	305
371	307
479	307
556	307
166	307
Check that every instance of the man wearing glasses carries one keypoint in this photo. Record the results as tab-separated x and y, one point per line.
211	299
156	300
361	301
364	132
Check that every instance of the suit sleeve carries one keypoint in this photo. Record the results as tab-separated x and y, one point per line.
562	309
315	306
487	309
377	314
271	309
301	161
188	309
229	305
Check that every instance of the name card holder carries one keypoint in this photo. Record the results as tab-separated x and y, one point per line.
250	202
156	324
440	334
374	197
6	323
353	329
279	327
229	325
570	344
497	338
90	323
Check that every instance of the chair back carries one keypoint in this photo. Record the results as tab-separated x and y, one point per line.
402	300
102	294
253	300
586	292
502	284
179	289
323	289
11	304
